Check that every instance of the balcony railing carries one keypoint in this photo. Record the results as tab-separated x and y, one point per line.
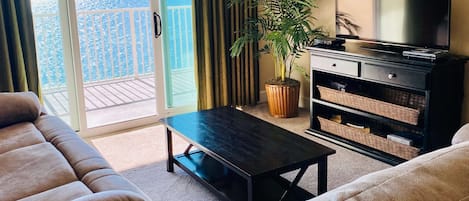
114	44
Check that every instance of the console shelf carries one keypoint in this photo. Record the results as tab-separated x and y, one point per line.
406	107
364	114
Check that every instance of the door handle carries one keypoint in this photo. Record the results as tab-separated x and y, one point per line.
391	76
157	23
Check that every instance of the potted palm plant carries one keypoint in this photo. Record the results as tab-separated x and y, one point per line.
286	28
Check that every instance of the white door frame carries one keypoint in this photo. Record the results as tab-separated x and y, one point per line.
73	61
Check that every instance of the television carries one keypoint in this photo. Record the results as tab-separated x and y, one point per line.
409	23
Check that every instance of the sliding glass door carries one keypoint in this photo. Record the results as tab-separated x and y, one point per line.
117	60
55	59
103	65
179	53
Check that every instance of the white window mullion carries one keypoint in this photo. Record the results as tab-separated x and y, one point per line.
72	60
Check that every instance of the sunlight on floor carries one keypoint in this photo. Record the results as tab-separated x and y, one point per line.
136	148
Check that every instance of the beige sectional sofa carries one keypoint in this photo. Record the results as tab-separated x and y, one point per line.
41	158
439	175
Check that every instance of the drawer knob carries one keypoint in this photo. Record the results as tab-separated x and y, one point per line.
333	65
392	75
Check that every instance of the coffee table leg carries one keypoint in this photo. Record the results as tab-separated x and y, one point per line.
169	146
322	175
294	182
250	189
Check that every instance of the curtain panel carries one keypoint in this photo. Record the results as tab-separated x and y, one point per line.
18	64
221	79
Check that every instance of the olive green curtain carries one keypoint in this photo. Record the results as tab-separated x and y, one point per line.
222	80
18	64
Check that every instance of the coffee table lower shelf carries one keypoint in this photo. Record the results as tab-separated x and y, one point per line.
228	185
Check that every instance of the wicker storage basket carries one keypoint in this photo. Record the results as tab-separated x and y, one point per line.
368	139
389	110
399	97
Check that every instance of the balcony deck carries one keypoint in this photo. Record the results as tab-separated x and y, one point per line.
103	95
113	100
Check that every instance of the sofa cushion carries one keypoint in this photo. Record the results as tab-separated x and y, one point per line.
19	135
108	180
52	128
439	175
41	156
32	169
114	195
68	191
81	156
18	107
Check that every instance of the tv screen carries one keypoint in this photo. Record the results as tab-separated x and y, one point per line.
420	23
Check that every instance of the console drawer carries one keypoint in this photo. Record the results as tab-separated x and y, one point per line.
335	65
410	78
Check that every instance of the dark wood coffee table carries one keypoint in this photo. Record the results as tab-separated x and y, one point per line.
241	157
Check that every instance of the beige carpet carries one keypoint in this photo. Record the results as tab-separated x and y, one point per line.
140	156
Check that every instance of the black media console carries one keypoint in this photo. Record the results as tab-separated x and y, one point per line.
384	105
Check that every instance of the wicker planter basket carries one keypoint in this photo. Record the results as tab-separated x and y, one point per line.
389	110
369	139
283	100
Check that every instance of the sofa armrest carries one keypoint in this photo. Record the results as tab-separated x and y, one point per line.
112	195
461	135
18	107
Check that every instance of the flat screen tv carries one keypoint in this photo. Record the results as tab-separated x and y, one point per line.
415	23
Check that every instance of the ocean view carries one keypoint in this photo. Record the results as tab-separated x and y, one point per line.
115	39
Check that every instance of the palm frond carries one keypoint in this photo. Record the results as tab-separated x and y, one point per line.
285	25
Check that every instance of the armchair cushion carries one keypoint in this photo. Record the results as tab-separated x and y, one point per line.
461	135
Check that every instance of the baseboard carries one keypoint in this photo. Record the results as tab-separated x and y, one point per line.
303	103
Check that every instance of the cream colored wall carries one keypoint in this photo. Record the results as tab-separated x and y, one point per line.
325	15
363	14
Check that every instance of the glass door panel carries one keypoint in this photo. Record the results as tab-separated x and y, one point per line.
117	60
179	53
102	66
54	60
